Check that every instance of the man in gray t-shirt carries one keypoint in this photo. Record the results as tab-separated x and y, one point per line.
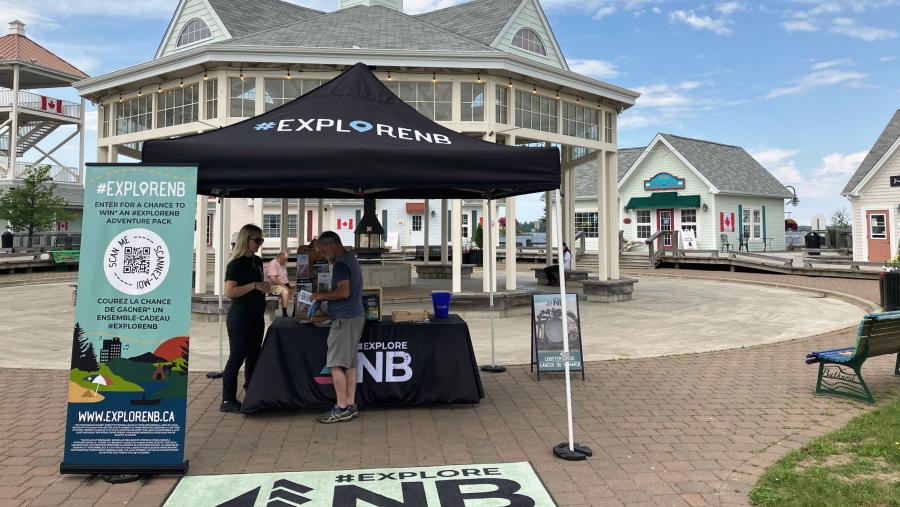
347	321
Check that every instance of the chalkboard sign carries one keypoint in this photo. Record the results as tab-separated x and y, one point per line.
547	334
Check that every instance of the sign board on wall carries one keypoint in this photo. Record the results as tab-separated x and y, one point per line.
688	239
547	330
664	181
128	379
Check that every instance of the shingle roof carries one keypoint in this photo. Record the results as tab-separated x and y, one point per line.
586	174
19	48
728	168
887	138
243	18
480	20
353	26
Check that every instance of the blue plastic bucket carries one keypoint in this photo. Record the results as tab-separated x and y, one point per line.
441	301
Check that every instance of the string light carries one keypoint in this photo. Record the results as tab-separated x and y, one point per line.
433	78
479	77
159	88
120	97
242	72
181	84
578	100
557	95
534	89
205	76
510	83
389	76
289	76
140	92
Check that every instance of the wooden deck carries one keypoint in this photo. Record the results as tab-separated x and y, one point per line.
776	262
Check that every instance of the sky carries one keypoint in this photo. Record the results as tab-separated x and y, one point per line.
805	86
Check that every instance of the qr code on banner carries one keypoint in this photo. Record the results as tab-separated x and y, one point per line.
137	260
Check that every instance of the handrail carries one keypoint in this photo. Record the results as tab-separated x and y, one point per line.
59	174
651	241
34	101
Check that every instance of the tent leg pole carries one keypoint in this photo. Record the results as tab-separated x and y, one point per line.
569	451
489	263
220	251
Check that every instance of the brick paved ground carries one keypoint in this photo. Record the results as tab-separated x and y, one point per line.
685	430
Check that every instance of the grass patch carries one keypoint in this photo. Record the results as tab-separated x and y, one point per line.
857	465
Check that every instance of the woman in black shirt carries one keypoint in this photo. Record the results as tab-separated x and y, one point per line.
245	286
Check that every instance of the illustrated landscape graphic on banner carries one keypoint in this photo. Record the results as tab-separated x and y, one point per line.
128	383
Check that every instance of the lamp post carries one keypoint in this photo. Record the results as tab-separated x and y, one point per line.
793	200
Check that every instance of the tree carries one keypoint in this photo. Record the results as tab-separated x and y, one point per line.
83	356
479	236
840	218
90	359
33	206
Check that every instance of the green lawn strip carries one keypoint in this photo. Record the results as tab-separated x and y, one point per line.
857	465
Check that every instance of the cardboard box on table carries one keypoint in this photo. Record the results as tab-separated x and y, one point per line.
308	279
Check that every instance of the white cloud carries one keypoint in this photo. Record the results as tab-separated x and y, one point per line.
831	63
851	28
90	120
696	22
669	104
817	79
728	8
773	156
826	180
598	69
884	59
799	26
409	6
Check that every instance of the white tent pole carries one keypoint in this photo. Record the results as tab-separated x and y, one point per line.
220	254
489	264
567	450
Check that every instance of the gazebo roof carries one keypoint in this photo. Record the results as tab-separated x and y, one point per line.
40	67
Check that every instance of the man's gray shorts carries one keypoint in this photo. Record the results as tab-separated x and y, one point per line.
343	341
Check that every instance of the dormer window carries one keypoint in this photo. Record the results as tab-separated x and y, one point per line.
196	30
529	40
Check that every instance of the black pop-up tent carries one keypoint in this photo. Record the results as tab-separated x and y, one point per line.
353	137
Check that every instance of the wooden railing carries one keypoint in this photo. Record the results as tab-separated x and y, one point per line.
651	245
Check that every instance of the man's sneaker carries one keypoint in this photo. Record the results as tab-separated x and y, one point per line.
354	410
230	406
336	414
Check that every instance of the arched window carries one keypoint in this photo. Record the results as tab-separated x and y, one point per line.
194	31
529	40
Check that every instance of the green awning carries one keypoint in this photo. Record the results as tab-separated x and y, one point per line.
664	200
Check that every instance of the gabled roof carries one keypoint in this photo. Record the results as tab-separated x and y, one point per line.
353	26
480	20
729	168
20	49
586	174
243	18
888	137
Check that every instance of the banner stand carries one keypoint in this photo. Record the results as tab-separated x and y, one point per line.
493	367
111	472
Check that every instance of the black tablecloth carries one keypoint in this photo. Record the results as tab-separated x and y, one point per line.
432	363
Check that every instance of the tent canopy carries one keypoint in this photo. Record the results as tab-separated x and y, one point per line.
352	137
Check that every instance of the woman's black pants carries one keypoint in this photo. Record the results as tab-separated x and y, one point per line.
245	335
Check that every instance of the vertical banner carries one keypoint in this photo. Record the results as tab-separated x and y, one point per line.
128	382
547	333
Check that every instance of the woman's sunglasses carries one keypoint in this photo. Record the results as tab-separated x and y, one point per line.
259	241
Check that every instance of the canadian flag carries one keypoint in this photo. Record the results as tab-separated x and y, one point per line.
345	223
726	222
48	104
62	226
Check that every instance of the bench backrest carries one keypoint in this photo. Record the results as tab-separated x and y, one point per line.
879	334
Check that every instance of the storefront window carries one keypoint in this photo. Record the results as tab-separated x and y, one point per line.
178	106
281	90
536	112
608	127
587	222
271	225
752	227
643	223
416	223
212	99
472	95
689	220
502	101
465	226
134	115
580	121
242	97
434	100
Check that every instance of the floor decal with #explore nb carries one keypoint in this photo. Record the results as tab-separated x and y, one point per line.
514	484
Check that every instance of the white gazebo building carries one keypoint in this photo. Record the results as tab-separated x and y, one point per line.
491	69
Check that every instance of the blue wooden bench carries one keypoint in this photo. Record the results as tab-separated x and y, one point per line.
839	369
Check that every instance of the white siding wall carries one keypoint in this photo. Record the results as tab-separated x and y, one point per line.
530	17
878	194
241	214
774	220
665	161
193	9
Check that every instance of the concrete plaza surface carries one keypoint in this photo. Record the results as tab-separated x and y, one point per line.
667	316
694	429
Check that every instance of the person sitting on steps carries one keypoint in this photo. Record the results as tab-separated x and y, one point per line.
552	271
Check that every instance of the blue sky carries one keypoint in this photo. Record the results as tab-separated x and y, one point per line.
805	86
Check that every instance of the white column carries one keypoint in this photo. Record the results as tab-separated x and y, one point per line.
495	242
444	250
457	245
427	230
113	154
283	232
81	143
570	212
511	282
548	210
258	212
612	175
200	245
603	209
301	223
220	242
226	228
14	127
485	238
